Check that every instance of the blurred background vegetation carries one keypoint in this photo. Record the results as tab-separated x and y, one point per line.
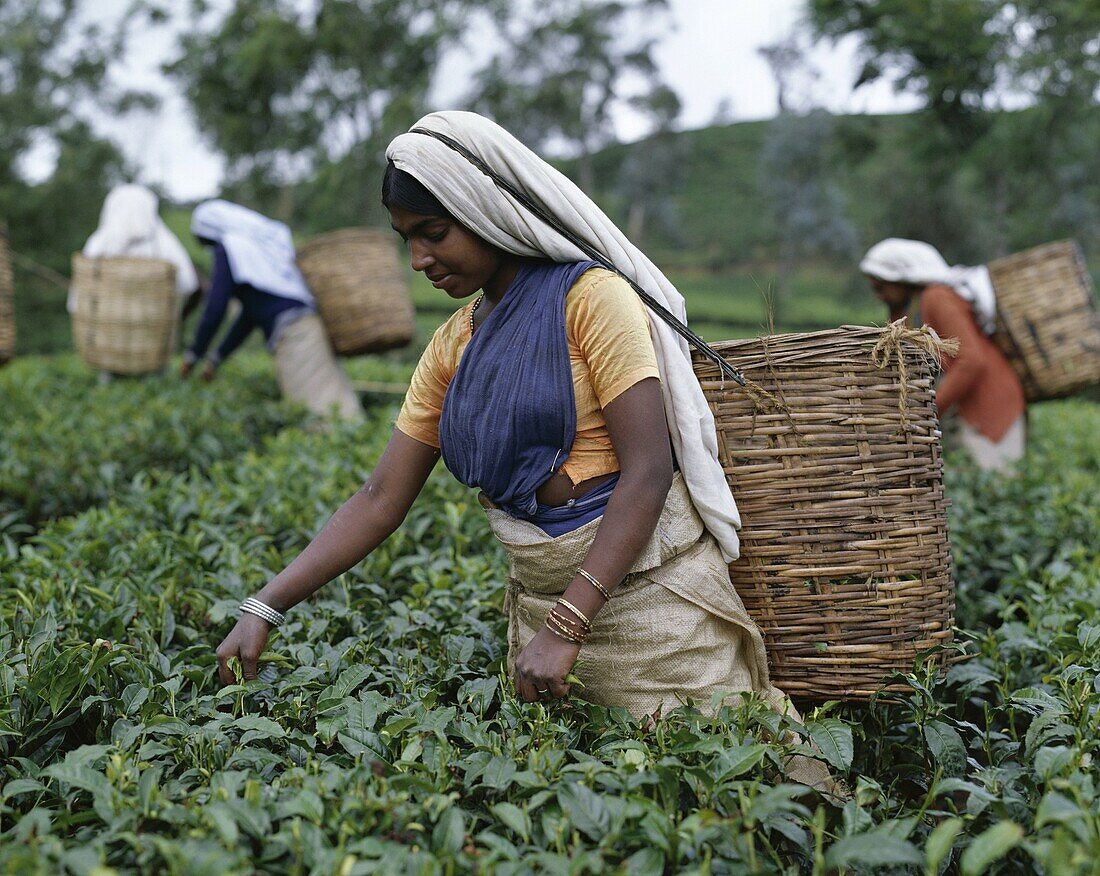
301	98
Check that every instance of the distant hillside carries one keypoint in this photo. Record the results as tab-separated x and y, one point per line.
724	205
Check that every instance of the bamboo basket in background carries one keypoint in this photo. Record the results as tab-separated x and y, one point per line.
357	279
1047	323
125	314
834	460
7	302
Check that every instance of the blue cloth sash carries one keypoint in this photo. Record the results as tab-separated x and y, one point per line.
509	415
557	520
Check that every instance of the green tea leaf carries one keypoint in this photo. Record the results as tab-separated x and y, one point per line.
1088	634
989	846
646	862
738	759
834	739
498	773
514	818
938	845
874	848
947	747
585	809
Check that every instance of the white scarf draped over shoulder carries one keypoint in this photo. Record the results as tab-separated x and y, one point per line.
130	226
898	260
260	250
494	215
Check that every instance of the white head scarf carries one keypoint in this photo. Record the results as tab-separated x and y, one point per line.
494	215
260	250
897	260
129	226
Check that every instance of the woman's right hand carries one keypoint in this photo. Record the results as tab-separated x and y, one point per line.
246	641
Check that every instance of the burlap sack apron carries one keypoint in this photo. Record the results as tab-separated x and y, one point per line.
675	628
307	371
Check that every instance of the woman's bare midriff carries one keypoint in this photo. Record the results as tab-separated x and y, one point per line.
560	489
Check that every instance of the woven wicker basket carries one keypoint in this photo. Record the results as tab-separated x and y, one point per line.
126	313
844	553
359	284
7	302
1047	323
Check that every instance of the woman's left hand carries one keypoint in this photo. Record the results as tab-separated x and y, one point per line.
541	667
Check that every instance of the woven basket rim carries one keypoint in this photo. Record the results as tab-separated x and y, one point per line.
343	235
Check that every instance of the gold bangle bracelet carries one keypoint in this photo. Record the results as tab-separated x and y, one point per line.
571	639
591	579
564	622
562	631
585	622
567	622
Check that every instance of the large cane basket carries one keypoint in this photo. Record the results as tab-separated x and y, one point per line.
356	276
125	313
1047	323
833	456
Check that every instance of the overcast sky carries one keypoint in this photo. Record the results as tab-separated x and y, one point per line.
709	57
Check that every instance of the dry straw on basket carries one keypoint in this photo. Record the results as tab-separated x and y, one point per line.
844	552
126	313
7	302
1047	323
357	279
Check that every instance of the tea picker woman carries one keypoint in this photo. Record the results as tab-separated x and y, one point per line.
978	384
254	262
556	394
131	227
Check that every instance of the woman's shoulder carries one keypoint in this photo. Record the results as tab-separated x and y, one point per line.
940	293
613	291
600	302
945	310
596	276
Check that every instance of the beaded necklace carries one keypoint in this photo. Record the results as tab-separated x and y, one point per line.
477	304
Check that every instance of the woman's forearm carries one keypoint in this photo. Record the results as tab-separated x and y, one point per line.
627	525
359	525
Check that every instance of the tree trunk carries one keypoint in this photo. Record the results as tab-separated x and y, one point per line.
784	271
586	175
1000	212
635	220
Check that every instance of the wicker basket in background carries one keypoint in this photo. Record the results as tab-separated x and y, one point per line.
1047	323
844	552
356	276
125	313
7	302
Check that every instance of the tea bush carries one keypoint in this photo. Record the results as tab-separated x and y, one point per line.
69	441
382	736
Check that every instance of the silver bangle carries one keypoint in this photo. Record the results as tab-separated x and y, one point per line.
263	610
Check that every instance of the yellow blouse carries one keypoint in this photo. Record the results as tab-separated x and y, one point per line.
610	350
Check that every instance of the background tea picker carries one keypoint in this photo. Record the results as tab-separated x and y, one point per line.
131	227
254	262
978	385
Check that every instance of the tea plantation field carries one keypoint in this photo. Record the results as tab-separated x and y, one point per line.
382	736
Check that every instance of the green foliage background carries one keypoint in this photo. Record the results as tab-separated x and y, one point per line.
382	737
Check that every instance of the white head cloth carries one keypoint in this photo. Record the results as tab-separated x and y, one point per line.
897	260
494	215
130	226
260	250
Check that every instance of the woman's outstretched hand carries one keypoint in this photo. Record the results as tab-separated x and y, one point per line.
246	641
542	667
